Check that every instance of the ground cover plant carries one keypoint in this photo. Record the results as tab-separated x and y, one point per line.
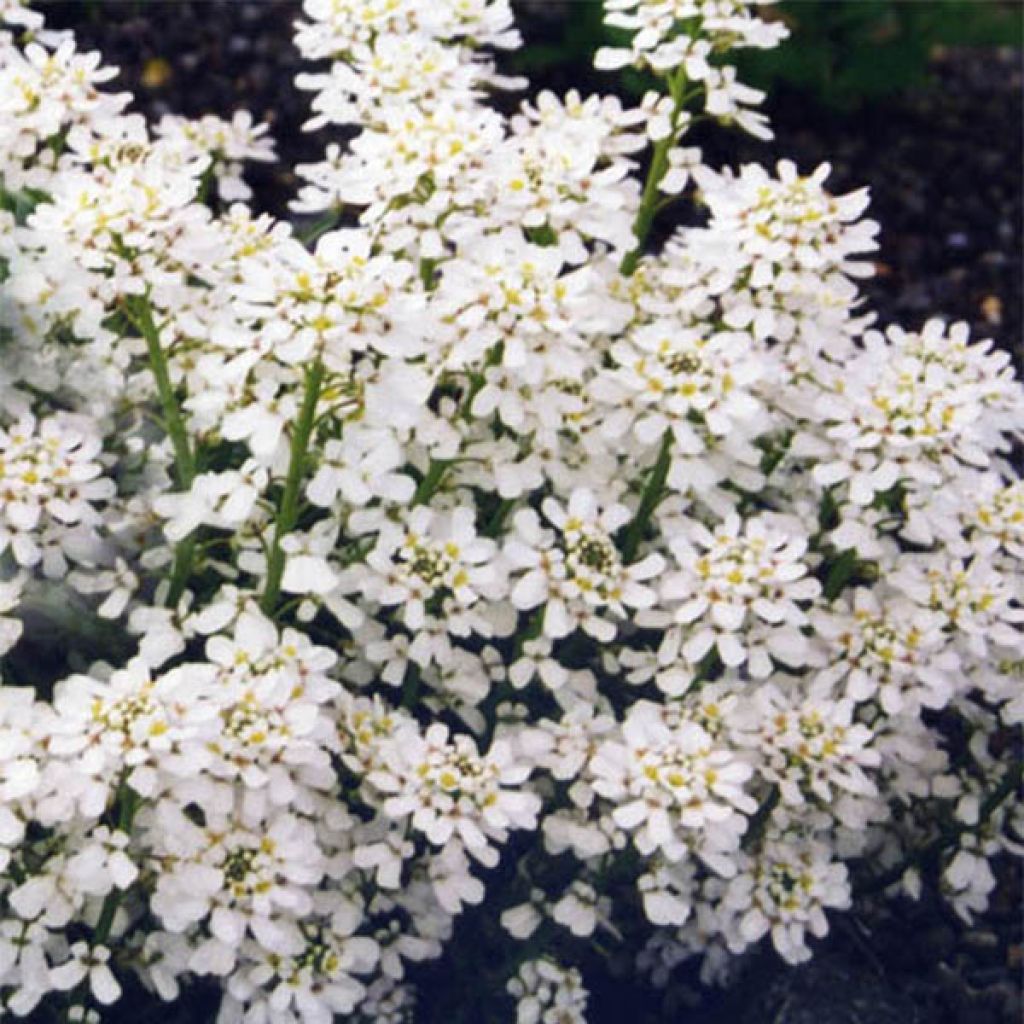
463	562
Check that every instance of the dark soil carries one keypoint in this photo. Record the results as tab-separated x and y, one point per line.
945	168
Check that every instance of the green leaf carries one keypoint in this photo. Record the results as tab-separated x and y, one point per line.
840	573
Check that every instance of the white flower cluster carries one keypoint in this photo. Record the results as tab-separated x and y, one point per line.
688	38
228	144
548	994
50	484
463	553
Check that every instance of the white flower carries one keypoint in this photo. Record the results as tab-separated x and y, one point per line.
50	482
360	468
563	747
107	727
313	984
576	574
536	661
662	30
999	514
681	161
971	879
10	627
240	882
548	993
978	603
119	584
449	790
668	892
578	909
729	579
431	560
307	568
668	375
102	863
456	420
786	891
19	765
664	781
815	751
88	964
893	651
779	249
228	144
916	407
225	500
15	12
523	920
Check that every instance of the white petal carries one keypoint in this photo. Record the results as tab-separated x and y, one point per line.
104	985
308	574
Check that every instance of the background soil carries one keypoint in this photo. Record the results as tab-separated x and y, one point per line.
945	169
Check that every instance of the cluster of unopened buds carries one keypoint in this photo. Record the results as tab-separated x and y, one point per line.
458	559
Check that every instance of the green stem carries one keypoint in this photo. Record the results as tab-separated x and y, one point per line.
140	314
288	508
650	201
184	555
431	481
320	227
206	185
653	491
410	687
125	816
128	804
760	817
142	317
479	379
533	629
427	268
497	519
648	205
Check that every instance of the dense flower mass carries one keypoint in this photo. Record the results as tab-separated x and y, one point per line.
460	552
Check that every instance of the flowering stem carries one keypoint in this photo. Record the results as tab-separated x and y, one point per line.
125	815
431	481
140	314
648	204
650	200
128	804
288	508
479	379
654	489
